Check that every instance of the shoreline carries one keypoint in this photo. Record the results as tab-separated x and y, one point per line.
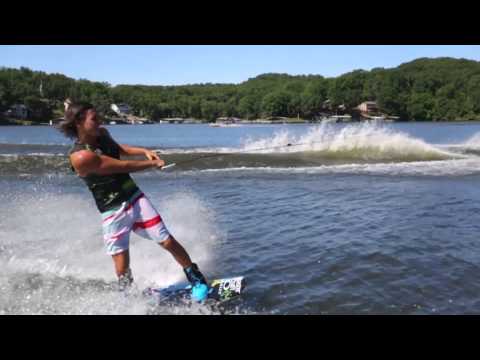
30	123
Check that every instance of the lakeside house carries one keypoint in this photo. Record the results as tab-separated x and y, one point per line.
368	107
337	118
18	111
122	110
369	110
226	121
174	120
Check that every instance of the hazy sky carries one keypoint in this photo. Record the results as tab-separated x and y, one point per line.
192	64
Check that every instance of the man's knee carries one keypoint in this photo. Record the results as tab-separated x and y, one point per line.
167	244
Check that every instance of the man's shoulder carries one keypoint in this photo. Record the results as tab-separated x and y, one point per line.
84	160
104	131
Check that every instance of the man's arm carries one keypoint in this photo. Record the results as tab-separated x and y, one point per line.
131	150
86	163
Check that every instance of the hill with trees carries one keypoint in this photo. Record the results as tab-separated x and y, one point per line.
422	90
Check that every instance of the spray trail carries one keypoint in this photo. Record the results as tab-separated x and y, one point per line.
365	141
54	262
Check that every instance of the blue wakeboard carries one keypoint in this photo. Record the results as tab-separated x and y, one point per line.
219	291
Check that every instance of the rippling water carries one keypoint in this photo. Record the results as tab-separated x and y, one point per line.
353	219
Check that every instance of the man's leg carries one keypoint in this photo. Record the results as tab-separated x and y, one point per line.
122	269
121	262
149	225
177	251
181	256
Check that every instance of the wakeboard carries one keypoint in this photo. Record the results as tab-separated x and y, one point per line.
219	291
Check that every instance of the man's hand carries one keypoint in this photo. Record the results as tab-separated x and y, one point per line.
159	163
151	155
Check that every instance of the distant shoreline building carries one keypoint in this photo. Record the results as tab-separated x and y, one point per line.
368	107
121	109
18	111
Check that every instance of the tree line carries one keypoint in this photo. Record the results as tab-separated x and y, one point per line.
423	89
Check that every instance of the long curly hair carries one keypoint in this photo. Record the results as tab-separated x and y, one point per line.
74	112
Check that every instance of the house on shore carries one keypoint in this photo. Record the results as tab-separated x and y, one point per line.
369	110
122	110
174	120
18	111
125	112
227	120
368	107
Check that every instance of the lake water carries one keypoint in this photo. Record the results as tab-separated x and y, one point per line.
361	218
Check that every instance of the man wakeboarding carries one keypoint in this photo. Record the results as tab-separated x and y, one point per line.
95	157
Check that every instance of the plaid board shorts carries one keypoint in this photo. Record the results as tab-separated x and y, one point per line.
137	214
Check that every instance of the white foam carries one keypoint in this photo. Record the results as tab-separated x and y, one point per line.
33	154
473	142
54	233
192	223
369	138
462	167
59	235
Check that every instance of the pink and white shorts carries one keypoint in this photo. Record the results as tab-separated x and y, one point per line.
137	214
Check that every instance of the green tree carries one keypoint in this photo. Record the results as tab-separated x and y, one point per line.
210	110
276	103
39	109
420	106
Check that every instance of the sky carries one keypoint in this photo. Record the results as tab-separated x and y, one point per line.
194	64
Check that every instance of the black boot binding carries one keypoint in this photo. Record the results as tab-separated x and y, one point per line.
194	275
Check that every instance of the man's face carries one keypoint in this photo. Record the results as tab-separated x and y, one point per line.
91	124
